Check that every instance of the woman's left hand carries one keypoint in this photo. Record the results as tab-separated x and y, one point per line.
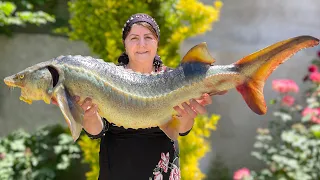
190	110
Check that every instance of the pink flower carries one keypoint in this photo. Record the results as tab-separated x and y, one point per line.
175	173
27	152
288	100
2	156
308	111
164	161
315	77
285	86
313	68
314	114
315	119
241	174
158	175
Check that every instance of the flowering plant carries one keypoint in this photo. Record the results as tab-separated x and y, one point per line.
290	146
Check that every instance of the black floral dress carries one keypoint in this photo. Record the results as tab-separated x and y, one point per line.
137	154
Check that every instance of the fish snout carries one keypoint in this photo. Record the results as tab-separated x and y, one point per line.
9	81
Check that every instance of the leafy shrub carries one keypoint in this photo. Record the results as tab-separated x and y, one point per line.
9	16
46	154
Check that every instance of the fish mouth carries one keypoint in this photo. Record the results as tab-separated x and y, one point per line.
10	82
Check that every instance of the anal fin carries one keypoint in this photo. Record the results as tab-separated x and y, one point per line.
71	111
252	93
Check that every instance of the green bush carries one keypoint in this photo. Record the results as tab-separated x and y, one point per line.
49	153
195	145
218	170
9	16
90	150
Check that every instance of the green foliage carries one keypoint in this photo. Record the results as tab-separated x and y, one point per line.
91	150
218	170
9	16
195	145
46	154
290	147
99	23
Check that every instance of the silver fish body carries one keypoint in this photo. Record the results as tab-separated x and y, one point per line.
135	100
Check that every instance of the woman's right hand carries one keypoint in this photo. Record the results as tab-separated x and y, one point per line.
92	122
90	109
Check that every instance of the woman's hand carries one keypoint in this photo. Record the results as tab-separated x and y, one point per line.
190	110
92	122
90	109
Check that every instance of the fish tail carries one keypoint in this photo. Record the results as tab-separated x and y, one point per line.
258	66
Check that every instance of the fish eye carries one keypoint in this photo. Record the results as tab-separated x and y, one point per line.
21	76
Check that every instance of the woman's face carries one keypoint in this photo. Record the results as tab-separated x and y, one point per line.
141	45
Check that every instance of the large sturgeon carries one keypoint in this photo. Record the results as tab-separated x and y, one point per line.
135	100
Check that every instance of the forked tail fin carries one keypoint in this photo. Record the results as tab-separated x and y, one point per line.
258	66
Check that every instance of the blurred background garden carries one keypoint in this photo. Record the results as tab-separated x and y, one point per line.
231	142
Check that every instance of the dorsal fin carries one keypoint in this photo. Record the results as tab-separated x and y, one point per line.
198	53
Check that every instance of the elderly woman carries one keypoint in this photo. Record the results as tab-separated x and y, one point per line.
143	153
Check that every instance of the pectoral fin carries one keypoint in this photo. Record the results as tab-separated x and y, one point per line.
171	128
71	111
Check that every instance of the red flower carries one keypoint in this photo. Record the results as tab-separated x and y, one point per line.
288	100
313	68
284	85
241	174
314	114
315	77
316	120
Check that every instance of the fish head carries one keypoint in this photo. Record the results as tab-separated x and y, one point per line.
36	83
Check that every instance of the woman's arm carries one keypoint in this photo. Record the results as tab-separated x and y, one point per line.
92	122
190	110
